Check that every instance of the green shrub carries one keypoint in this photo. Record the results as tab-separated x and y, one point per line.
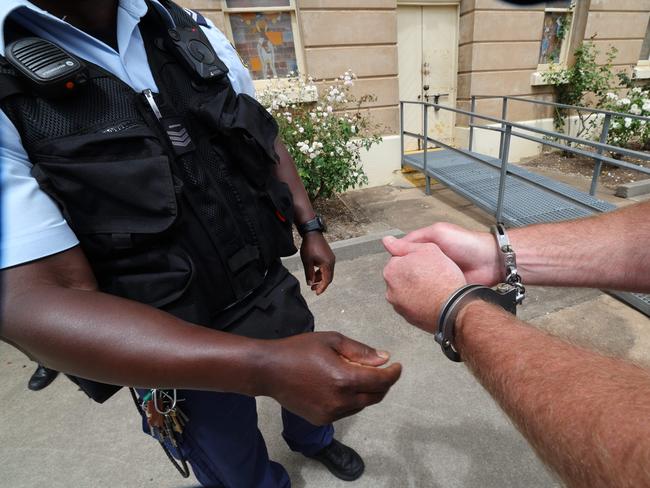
624	131
323	135
585	83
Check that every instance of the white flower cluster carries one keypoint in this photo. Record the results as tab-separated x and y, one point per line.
325	133
626	129
312	150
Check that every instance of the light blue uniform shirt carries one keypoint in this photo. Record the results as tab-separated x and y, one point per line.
32	225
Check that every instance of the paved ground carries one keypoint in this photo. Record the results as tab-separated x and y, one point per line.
437	427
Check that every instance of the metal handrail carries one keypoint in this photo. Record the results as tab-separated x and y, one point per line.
605	159
594	144
563	105
506	130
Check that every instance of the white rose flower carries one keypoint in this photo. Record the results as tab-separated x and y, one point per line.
628	122
634	109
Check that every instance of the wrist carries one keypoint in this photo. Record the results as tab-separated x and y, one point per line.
469	319
305	216
258	379
504	296
315	225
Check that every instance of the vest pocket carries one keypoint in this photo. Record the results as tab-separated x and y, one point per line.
109	183
247	132
119	196
126	196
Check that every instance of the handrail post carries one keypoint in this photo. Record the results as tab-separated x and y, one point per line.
504	171
504	114
599	164
401	132
472	109
427	179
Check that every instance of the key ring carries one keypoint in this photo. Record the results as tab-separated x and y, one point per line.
172	398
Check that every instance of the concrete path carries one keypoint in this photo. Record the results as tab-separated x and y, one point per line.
437	427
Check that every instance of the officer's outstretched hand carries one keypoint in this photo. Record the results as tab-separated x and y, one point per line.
324	376
318	260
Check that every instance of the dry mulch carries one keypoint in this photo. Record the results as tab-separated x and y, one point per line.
610	176
344	220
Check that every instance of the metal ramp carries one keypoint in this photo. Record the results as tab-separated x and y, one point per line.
529	198
514	195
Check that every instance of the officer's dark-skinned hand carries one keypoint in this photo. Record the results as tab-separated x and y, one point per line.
324	376
318	261
53	311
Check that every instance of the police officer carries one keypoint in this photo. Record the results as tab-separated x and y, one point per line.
105	272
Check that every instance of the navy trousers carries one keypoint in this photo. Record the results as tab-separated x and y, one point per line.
226	449
221	440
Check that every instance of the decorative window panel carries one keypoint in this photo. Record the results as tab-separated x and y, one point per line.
553	35
264	32
556	32
257	3
265	42
565	4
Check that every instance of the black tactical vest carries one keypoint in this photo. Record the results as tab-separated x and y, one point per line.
179	210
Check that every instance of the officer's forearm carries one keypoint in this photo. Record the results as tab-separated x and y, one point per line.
98	336
585	414
286	171
606	251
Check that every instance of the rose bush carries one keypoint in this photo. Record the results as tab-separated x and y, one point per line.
324	133
624	131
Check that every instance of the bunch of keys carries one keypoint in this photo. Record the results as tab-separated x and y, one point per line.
166	420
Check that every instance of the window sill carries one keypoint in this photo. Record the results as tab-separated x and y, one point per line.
537	79
642	72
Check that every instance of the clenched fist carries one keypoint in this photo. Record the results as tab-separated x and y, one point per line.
419	279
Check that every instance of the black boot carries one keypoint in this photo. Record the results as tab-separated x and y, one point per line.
41	378
342	461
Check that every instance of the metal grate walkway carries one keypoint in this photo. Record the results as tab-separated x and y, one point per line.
529	197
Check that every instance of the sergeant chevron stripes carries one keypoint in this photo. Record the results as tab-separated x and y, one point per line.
179	138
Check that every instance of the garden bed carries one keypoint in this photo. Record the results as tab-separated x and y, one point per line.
344	220
610	176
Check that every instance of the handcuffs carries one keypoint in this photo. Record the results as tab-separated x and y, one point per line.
507	295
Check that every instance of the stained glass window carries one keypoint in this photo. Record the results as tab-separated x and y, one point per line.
257	3
265	41
559	4
556	29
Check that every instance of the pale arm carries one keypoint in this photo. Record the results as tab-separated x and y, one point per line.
605	251
586	415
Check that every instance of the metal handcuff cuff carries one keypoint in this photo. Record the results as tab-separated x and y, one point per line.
508	295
